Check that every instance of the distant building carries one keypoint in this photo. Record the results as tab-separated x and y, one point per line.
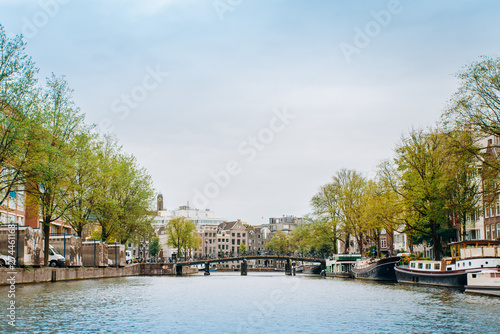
286	224
203	219
258	236
199	217
159	202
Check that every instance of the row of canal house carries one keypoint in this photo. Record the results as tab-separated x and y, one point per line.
219	237
226	240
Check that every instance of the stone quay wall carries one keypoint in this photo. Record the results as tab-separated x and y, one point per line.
49	274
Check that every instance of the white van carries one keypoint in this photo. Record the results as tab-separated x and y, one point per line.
128	256
55	259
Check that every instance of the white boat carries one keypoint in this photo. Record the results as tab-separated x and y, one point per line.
467	257
486	282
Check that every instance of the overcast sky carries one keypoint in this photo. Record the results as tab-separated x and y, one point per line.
247	107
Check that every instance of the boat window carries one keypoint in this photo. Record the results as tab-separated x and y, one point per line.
474	275
427	266
492	275
458	264
420	265
470	264
413	264
437	266
486	262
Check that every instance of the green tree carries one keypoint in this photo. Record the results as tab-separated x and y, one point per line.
302	235
52	162
279	243
423	161
243	248
326	208
181	234
464	179
82	196
19	100
353	195
154	247
476	104
123	195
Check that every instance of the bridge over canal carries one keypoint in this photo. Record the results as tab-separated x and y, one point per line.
289	269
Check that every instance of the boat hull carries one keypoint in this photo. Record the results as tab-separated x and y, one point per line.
456	279
381	270
483	290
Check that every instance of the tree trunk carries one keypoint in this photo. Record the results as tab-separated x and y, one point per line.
435	242
335	248
360	244
46	235
464	227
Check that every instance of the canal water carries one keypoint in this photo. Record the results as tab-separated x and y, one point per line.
257	303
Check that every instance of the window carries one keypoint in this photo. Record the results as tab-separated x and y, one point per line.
383	242
488	232
498	230
243	235
238	235
233	234
427	266
412	265
420	266
437	266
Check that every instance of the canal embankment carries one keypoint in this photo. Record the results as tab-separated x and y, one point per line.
29	275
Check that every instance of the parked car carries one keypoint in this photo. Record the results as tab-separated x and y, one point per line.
56	259
6	260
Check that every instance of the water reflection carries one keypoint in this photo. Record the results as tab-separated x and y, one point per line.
260	302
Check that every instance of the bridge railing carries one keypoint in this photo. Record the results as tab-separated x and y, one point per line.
225	256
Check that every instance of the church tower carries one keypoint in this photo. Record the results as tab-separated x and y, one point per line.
159	202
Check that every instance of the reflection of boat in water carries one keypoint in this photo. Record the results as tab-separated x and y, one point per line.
378	270
486	282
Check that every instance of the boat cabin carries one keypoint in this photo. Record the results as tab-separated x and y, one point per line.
428	265
475	249
341	264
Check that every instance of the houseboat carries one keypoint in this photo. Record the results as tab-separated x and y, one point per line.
376	269
467	257
486	282
341	265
